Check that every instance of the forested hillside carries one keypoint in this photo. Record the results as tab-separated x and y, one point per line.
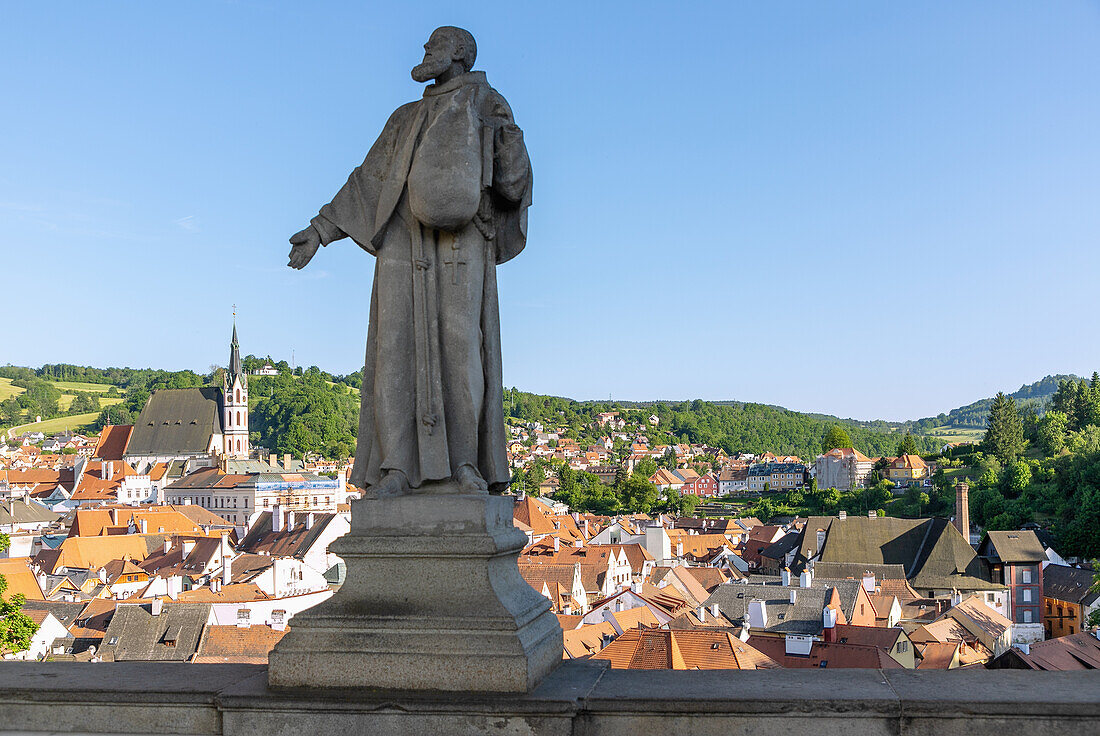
732	426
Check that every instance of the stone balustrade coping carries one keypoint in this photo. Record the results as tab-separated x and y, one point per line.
578	698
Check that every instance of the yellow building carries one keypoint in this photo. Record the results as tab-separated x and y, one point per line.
907	468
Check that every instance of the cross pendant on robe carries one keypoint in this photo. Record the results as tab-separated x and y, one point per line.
454	263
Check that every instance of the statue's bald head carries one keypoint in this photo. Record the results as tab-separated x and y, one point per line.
450	50
463	41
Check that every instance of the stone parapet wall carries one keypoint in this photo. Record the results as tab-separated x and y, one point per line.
578	698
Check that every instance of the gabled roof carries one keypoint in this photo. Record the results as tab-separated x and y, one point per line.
932	551
135	634
804	616
177	421
17	511
980	619
295	542
247	645
1070	584
826	655
64	611
113	441
1080	651
847	452
708	577
586	640
21	579
235	593
1014	547
871	636
95	552
697	649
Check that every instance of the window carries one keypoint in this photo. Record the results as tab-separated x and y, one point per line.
238	419
1027	595
1025	576
238	401
238	445
990	597
1027	617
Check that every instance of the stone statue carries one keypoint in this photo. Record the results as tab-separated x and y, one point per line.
440	200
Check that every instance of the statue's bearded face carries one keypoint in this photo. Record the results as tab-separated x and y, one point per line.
439	54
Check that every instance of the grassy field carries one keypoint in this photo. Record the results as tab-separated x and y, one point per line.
66	401
68	386
60	424
952	434
7	390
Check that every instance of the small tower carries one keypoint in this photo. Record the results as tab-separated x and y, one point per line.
235	405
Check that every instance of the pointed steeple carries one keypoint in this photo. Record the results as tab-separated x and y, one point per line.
234	355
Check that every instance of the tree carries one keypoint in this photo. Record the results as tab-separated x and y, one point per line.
763	510
16	627
907	446
645	467
688	504
1086	441
1005	436
1052	432
828	498
1016	477
638	494
795	498
836	437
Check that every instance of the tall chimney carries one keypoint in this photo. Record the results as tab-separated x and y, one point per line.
290	521
286	462
273	460
962	509
227	561
276	518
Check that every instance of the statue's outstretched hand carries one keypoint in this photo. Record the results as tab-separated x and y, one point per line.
305	243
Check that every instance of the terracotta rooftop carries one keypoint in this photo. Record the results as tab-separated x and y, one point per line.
665	649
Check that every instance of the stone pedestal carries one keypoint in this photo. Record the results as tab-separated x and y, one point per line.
433	600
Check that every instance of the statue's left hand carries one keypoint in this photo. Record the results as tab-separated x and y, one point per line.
305	244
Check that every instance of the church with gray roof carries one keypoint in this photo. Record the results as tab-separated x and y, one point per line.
195	425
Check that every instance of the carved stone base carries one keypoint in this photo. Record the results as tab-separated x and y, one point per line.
433	600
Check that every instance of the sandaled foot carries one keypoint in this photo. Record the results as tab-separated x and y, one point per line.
469	480
393	484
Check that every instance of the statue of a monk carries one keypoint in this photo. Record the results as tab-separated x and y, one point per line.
440	200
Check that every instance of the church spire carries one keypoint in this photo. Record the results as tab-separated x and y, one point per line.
234	353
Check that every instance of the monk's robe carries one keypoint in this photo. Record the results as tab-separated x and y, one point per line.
440	200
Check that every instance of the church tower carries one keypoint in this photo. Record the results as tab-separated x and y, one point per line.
235	405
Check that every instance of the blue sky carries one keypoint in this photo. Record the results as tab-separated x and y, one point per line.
862	208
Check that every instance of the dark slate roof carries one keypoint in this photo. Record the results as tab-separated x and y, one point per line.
802	617
18	511
294	543
856	571
1070	584
177	421
1080	651
778	549
1013	547
138	635
932	552
63	611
